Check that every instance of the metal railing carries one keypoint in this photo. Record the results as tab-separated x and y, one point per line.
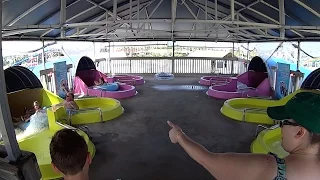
177	65
152	65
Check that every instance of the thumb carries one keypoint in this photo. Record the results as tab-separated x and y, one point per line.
170	124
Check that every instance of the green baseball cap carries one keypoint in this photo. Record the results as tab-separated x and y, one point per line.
303	108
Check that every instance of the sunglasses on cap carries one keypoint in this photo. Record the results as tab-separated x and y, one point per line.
287	122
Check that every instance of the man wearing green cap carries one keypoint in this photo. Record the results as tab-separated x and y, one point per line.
300	127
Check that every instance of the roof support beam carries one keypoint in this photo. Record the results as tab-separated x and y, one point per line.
186	5
21	31
145	5
138	12
200	6
240	15
307	7
77	15
242	9
99	5
194	25
57	12
27	12
282	18
152	12
148	16
115	4
97	19
216	9
63	17
290	16
130	4
264	25
232	10
173	15
265	16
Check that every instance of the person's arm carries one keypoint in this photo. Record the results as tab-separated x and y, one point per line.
223	165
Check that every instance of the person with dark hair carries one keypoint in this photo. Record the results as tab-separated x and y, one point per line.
70	156
300	128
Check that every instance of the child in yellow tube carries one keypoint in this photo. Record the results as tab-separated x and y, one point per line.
70	105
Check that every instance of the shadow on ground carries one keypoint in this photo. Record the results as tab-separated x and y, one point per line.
136	145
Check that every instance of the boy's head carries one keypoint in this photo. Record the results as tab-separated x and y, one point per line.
69	153
70	96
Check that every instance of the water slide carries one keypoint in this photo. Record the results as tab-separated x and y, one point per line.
38	141
21	83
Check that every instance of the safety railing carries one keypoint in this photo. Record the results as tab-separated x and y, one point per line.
177	65
151	65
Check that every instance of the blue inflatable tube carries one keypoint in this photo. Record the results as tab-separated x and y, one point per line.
164	76
108	87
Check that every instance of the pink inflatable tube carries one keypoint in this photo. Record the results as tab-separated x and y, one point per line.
230	90
128	79
124	91
216	80
209	80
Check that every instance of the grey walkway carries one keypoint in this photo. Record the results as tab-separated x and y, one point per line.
136	145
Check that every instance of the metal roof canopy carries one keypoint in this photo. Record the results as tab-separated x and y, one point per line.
176	20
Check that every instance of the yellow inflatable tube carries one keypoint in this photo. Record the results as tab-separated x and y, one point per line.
269	141
93	110
39	143
254	110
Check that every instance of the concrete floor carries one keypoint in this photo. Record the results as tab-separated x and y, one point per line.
136	146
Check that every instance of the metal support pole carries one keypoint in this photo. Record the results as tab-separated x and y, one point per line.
138	13
107	24
232	65
172	66
248	51
6	126
130	13
216	17
115	10
110	71
282	17
206	12
63	18
232	10
44	65
297	79
298	59
94	51
233	49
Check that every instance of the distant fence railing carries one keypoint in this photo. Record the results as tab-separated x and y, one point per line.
185	65
152	65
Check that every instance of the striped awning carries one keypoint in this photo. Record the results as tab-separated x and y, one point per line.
85	63
19	78
312	81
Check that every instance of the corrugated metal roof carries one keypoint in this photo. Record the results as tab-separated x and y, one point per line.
254	20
